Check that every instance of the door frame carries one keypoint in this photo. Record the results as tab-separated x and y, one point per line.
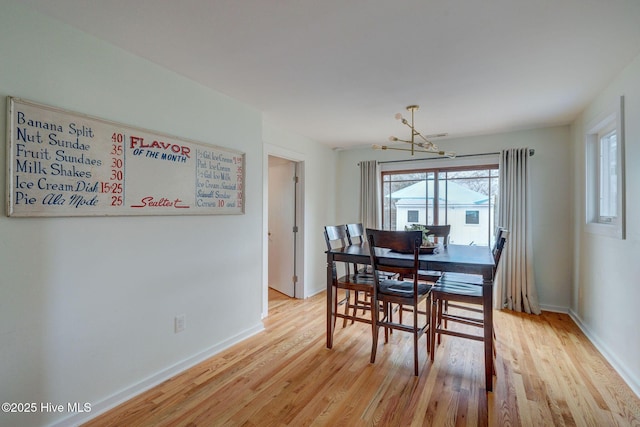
299	159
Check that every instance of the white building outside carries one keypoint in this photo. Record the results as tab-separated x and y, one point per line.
469	213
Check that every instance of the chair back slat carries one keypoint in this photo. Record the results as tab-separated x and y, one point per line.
335	236
496	236
440	232
355	234
397	241
501	241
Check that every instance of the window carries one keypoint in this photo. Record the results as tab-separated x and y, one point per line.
464	197
472	217
605	174
608	176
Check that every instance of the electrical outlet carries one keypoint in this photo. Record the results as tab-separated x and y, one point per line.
180	323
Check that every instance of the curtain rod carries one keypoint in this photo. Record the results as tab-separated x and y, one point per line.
531	153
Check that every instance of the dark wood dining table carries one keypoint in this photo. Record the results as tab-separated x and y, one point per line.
453	258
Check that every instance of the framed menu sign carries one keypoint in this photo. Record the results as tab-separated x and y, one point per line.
61	163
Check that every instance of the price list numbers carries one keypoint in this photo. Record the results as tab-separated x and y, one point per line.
238	162
219	180
114	186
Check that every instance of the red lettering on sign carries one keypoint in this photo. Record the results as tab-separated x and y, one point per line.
168	146
163	202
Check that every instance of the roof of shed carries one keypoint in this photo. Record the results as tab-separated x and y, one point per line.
456	193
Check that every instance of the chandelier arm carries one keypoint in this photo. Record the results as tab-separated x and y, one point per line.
426	146
386	147
441	153
424	138
415	132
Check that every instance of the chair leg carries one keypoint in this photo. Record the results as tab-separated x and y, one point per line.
415	341
347	302
374	327
440	307
415	353
428	319
386	313
432	327
335	307
495	354
356	297
446	310
367	300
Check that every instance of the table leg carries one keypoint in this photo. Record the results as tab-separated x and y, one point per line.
487	291
330	299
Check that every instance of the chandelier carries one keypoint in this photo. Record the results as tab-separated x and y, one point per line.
423	145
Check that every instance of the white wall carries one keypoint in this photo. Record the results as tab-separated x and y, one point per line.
551	197
87	305
606	285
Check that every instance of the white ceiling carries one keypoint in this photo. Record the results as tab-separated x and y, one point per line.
336	71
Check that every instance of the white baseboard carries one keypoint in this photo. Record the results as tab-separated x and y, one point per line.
554	308
128	393
315	292
620	368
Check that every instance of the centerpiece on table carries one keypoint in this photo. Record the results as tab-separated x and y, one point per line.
428	246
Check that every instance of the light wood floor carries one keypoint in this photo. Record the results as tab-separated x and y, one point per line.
548	373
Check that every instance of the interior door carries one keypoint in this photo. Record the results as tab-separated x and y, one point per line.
282	209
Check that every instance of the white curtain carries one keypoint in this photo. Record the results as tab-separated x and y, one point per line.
515	288
369	194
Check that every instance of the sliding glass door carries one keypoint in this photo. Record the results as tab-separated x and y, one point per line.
465	198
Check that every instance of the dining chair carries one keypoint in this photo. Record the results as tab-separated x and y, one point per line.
356	236
392	291
474	279
461	291
441	236
336	237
